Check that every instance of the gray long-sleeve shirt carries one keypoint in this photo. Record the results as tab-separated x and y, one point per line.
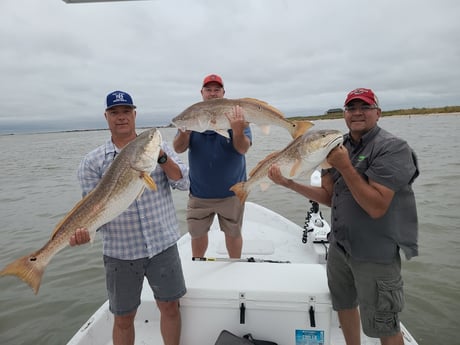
387	160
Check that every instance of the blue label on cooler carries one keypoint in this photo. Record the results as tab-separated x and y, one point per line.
309	337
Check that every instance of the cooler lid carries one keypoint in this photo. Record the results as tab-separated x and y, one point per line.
258	280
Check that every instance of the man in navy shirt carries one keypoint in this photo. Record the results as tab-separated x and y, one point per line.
216	163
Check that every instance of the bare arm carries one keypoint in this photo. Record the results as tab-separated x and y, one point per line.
373	197
322	194
171	169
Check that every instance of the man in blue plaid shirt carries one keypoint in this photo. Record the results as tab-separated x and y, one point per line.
142	240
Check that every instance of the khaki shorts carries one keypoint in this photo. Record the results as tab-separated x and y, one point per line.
201	212
376	288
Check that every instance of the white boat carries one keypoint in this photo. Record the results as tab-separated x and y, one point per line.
277	291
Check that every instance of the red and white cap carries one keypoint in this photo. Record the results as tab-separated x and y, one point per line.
366	95
213	78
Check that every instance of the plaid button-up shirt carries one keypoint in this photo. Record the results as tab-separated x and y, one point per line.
149	225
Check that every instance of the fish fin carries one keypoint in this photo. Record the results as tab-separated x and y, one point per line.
249	99
203	124
28	268
308	173
265	129
264	186
295	168
300	127
148	180
325	165
263	161
240	191
140	192
275	111
223	132
70	213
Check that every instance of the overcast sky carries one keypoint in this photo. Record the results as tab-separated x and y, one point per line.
58	61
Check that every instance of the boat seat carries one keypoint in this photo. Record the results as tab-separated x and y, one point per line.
250	247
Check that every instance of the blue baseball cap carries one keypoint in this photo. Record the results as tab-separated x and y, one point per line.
119	98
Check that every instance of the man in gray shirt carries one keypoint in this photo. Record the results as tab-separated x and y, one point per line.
373	216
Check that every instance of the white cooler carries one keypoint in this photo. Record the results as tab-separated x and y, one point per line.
282	302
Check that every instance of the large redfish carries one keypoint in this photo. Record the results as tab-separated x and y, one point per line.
211	115
122	183
301	155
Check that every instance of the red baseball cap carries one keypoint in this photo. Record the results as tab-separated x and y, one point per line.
213	78
366	95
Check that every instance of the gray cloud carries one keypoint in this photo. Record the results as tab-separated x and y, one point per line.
58	60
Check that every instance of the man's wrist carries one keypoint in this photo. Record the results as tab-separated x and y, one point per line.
163	158
289	183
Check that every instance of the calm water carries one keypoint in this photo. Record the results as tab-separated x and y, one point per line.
38	187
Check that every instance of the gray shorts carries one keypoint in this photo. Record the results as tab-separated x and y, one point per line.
376	288
201	212
124	279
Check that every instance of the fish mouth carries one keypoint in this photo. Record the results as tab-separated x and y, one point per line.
334	142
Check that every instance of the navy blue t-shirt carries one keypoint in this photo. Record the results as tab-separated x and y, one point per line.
214	164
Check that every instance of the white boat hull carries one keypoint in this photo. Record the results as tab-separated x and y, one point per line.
276	296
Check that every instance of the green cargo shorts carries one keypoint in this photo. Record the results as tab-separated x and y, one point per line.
376	288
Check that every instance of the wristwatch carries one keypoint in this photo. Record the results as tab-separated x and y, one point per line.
163	158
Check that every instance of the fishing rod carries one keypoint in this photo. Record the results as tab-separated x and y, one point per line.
251	259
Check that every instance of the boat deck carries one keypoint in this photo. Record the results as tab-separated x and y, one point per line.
267	235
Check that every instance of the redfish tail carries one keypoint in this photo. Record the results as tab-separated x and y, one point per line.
300	128
27	268
240	191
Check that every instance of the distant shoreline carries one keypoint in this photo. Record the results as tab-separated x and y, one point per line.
338	115
400	112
